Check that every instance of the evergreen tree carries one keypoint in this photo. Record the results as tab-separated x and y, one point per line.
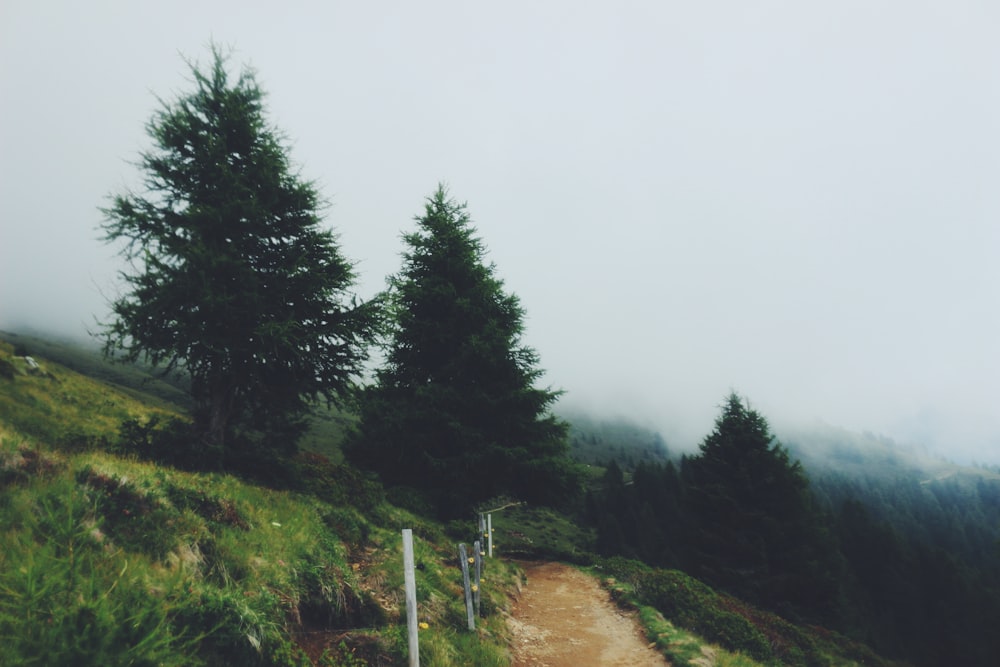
755	529
234	279
455	413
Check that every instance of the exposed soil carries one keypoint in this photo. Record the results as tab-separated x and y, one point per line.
563	618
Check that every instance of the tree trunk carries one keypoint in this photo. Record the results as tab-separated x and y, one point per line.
218	414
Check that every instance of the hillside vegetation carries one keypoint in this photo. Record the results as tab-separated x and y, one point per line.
110	560
113	560
889	548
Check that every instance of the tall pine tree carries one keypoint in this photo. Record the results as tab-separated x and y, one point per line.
233	277
455	413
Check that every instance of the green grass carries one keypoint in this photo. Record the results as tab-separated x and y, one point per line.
151	561
534	532
139	381
110	560
685	649
65	409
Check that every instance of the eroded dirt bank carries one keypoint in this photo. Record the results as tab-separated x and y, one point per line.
565	619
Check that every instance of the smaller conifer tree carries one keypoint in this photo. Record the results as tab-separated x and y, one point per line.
755	528
455	413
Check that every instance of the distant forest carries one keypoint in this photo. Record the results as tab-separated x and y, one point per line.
864	538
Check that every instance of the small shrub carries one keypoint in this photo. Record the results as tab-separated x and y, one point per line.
628	571
346	524
21	463
410	499
133	517
80	441
693	605
172	443
337	484
7	370
220	511
239	629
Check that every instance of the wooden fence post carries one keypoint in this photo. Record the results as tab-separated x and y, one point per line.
410	584
478	556
489	533
464	557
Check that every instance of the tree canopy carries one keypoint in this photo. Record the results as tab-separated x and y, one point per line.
233	277
455	413
755	528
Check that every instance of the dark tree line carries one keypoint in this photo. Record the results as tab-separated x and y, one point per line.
923	561
910	567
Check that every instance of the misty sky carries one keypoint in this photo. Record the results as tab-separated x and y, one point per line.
796	200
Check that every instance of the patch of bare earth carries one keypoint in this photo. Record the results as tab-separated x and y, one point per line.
563	618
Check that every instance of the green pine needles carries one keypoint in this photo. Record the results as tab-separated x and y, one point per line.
234	279
455	414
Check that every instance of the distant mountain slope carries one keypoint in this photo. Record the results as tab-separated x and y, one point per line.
144	382
826	449
597	441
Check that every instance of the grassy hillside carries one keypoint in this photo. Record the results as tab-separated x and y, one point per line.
133	380
64	408
825	449
110	560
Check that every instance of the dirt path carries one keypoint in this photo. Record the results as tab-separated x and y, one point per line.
565	619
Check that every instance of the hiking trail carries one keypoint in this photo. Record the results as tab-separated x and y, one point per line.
564	618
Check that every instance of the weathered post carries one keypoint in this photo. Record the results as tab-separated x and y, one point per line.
410	584
464	557
489	533
478	556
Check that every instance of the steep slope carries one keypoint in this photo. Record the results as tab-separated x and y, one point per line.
109	560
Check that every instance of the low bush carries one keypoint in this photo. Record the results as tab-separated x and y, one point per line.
8	371
21	463
695	606
164	440
133	517
337	484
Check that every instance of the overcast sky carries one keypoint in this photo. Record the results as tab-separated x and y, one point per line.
796	200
